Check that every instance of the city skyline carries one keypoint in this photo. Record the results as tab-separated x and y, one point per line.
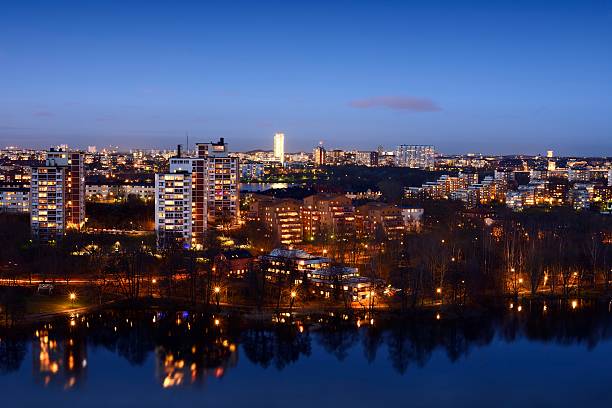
497	78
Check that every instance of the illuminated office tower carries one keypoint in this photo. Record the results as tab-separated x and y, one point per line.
279	147
57	195
415	156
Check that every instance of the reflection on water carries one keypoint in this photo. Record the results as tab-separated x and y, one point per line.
260	187
187	349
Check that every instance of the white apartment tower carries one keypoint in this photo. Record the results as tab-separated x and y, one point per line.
279	147
57	195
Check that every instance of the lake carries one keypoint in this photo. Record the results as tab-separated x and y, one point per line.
557	357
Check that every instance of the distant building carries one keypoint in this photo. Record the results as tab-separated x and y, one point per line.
279	147
415	156
581	196
283	217
319	156
235	263
413	218
252	170
373	217
14	197
369	159
327	213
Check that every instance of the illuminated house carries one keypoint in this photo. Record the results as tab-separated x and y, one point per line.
234	263
291	265
57	195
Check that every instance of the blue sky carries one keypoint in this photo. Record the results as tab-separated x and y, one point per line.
467	76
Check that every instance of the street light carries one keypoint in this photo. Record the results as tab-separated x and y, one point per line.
217	290
292	300
72	297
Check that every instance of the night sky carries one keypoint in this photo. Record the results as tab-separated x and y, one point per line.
467	76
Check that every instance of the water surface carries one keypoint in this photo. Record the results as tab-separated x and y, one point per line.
146	358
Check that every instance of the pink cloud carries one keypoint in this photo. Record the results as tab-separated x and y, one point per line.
43	114
405	103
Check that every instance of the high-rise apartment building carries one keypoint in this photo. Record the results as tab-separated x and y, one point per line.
319	155
279	147
173	209
57	195
415	156
222	183
197	191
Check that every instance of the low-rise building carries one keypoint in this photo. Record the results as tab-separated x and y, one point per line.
14	198
372	217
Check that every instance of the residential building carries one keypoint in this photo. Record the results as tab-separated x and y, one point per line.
283	218
415	156
327	213
319	156
217	179
369	159
57	195
174	209
372	218
14	197
291	265
234	263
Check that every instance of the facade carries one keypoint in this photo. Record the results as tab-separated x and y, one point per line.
413	218
283	217
319	156
173	209
279	147
216	176
111	192
415	156
57	195
252	170
196	192
369	159
373	217
14	198
291	266
235	263
581	195
327	213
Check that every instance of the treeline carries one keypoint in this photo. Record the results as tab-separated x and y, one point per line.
131	214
